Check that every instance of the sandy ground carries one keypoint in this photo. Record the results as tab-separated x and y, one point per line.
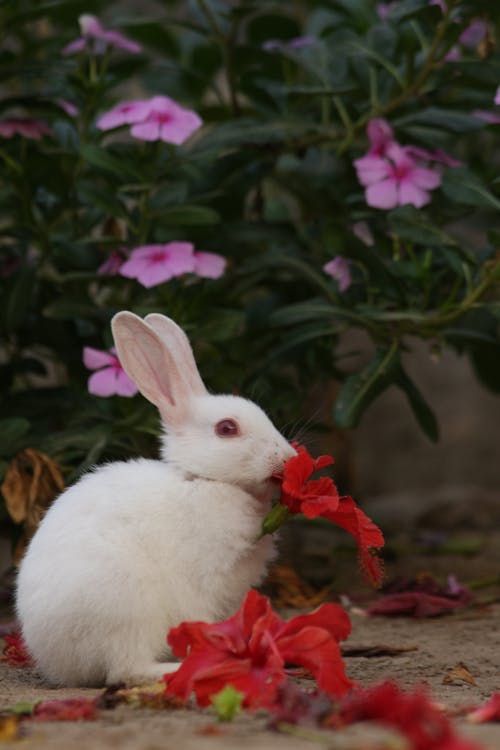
472	637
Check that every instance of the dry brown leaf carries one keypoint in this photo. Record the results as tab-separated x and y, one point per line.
32	481
9	728
460	673
292	591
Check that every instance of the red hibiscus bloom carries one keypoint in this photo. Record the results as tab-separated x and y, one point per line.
489	711
15	652
251	649
423	723
320	497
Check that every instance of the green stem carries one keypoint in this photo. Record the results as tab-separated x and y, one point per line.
227	52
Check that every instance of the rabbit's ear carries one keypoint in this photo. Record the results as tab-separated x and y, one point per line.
152	366
178	343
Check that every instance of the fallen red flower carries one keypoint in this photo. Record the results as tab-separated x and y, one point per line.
412	714
15	653
420	597
251	649
69	709
490	711
320	497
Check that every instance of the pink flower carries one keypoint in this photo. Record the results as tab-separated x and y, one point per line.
110	378
209	265
395	180
338	269
497	96
112	265
440	156
67	107
96	36
492	118
362	231
380	135
153	264
25	127
155	119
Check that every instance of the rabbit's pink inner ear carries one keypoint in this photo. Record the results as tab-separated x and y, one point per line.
178	344
148	363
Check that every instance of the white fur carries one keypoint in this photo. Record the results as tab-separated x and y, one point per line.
135	548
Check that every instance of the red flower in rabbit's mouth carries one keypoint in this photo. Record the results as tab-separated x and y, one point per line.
320	497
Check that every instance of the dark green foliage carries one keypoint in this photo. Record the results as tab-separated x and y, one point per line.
268	182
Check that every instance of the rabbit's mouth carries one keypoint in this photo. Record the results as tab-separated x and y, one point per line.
276	477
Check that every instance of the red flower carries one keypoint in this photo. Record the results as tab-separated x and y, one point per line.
69	709
311	497
320	497
423	723
490	711
251	649
15	652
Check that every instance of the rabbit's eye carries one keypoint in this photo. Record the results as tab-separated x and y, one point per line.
227	428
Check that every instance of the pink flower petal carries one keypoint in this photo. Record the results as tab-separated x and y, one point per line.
497	96
115	39
410	193
383	194
380	135
76	46
124	386
338	269
90	25
371	169
209	265
146	131
95	358
103	382
425	178
181	257
125	113
180	128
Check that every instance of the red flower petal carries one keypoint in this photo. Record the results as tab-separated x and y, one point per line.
414	604
15	652
424	725
314	649
70	709
490	711
367	535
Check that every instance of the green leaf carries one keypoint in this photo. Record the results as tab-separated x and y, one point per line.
18	300
485	360
187	215
449	119
103	159
69	309
227	703
422	411
302	312
154	34
359	390
11	432
464	187
412	224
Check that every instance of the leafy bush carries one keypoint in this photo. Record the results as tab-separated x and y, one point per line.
336	133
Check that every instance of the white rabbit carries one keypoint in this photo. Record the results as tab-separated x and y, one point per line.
136	547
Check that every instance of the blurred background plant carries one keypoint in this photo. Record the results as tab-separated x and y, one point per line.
281	175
